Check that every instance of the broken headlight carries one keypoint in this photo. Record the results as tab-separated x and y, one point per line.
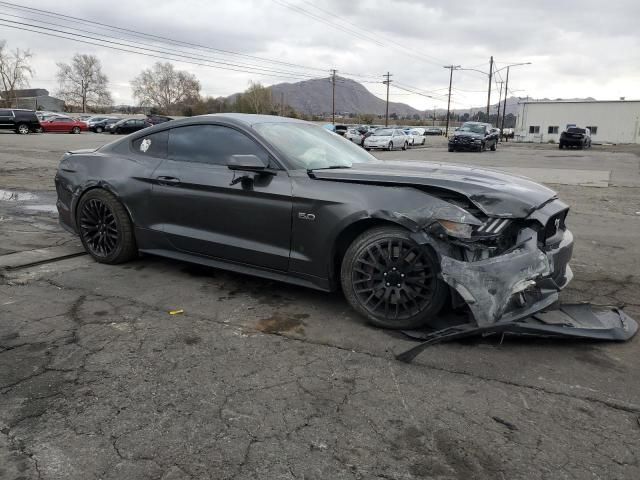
456	229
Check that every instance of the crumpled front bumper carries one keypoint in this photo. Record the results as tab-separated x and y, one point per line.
513	285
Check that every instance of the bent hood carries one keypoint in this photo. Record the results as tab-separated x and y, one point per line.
495	193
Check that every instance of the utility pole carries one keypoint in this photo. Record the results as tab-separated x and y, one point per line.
490	78
499	100
386	115
504	107
451	69
434	116
333	96
282	104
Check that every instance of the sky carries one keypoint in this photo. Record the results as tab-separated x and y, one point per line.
575	48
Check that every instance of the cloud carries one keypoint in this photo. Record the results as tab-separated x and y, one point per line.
577	48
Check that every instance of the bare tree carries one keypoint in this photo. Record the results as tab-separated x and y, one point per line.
165	88
82	82
258	98
15	71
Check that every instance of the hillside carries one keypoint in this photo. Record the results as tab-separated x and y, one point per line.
313	97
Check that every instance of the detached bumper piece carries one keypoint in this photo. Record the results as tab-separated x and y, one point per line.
568	321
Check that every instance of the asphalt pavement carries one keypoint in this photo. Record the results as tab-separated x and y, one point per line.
258	379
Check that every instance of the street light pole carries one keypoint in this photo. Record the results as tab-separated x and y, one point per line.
333	96
451	69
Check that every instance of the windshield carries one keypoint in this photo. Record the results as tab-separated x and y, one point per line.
312	147
383	132
470	127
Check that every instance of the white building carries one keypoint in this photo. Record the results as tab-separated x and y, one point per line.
615	121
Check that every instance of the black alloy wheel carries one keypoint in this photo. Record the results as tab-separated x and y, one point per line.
391	280
105	228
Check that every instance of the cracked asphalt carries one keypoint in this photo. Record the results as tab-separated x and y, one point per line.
258	379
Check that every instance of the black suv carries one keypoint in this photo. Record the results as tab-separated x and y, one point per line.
474	136
20	121
575	137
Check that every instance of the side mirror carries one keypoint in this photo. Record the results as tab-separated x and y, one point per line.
245	163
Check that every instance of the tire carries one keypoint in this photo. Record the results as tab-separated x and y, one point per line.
75	130
99	130
39	130
371	272
105	229
22	129
451	149
494	147
424	140
390	146
560	146
405	146
367	149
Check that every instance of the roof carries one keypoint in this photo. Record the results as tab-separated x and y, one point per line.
252	118
578	101
28	92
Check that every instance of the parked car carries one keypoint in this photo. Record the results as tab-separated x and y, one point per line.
386	139
156	119
473	136
417	136
63	125
433	131
18	120
128	125
575	137
341	130
102	125
355	136
311	209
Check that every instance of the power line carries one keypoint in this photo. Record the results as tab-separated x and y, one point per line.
181	58
148	47
139	34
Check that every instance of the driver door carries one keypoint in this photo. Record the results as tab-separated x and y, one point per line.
203	210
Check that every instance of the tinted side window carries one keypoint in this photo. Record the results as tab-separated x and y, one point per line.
152	145
211	144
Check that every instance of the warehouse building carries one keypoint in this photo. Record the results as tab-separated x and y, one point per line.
610	121
34	99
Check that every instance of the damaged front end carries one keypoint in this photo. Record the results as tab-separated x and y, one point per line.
503	268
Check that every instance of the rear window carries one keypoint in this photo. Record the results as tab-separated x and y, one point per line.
576	130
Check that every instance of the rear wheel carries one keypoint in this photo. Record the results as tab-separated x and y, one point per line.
105	228
405	146
22	129
391	280
99	130
75	130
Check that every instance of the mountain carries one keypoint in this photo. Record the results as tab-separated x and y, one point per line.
313	97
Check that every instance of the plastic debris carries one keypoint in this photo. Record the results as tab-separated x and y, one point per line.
176	312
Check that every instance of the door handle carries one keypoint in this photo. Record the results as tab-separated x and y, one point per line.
168	181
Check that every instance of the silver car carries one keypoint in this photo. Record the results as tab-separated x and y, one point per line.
387	139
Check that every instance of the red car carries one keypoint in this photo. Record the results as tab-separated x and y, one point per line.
63	125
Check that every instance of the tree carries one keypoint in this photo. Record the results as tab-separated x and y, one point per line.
82	82
258	98
15	71
166	88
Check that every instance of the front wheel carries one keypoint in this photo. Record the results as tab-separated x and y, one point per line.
405	146
390	146
22	129
75	130
391	280
105	228
98	129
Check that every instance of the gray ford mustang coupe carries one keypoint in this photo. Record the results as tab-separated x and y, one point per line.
288	200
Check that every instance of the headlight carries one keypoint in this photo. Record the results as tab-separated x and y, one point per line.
455	229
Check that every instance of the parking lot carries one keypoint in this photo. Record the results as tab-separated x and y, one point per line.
259	379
